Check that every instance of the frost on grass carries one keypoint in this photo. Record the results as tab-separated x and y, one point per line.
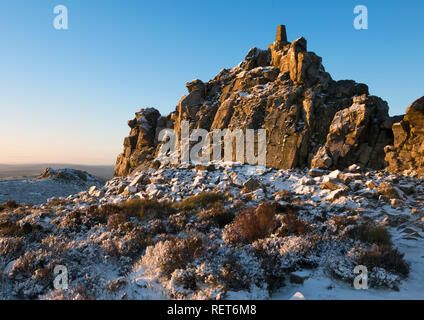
191	268
198	234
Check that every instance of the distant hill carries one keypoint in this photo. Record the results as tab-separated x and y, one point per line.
52	183
32	170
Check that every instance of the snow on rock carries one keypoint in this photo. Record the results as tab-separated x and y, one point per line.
297	296
52	183
188	233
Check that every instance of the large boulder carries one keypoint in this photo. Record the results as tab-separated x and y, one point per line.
139	146
356	136
406	155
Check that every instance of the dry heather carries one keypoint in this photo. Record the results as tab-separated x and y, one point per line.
224	243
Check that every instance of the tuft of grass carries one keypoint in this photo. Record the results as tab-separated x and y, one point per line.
72	220
371	234
58	202
9	205
387	258
9	228
202	200
180	253
102	213
217	215
146	209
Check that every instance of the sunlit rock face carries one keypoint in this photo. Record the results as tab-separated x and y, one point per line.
407	152
310	119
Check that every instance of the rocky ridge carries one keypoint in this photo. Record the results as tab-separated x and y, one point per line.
310	119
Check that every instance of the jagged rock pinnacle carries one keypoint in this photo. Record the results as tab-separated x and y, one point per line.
310	120
281	33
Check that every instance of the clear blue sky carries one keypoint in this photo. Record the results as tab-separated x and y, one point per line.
65	96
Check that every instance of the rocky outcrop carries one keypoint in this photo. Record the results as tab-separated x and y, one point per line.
50	183
68	175
406	155
139	146
310	119
357	134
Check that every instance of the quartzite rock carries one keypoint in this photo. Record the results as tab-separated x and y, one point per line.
407	151
310	119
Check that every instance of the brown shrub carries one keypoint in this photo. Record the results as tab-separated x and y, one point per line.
292	224
251	224
83	293
58	245
115	285
180	253
387	258
130	242
275	275
116	220
112	247
155	226
186	280
72	220
123	228
11	204
42	273
232	274
136	241
202	200
146	209
58	202
100	214
12	229
10	246
25	264
284	195
342	222
177	222
237	205
217	215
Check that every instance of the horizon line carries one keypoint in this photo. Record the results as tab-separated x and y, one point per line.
55	163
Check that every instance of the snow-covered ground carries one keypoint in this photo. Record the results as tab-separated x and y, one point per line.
38	190
174	247
319	286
